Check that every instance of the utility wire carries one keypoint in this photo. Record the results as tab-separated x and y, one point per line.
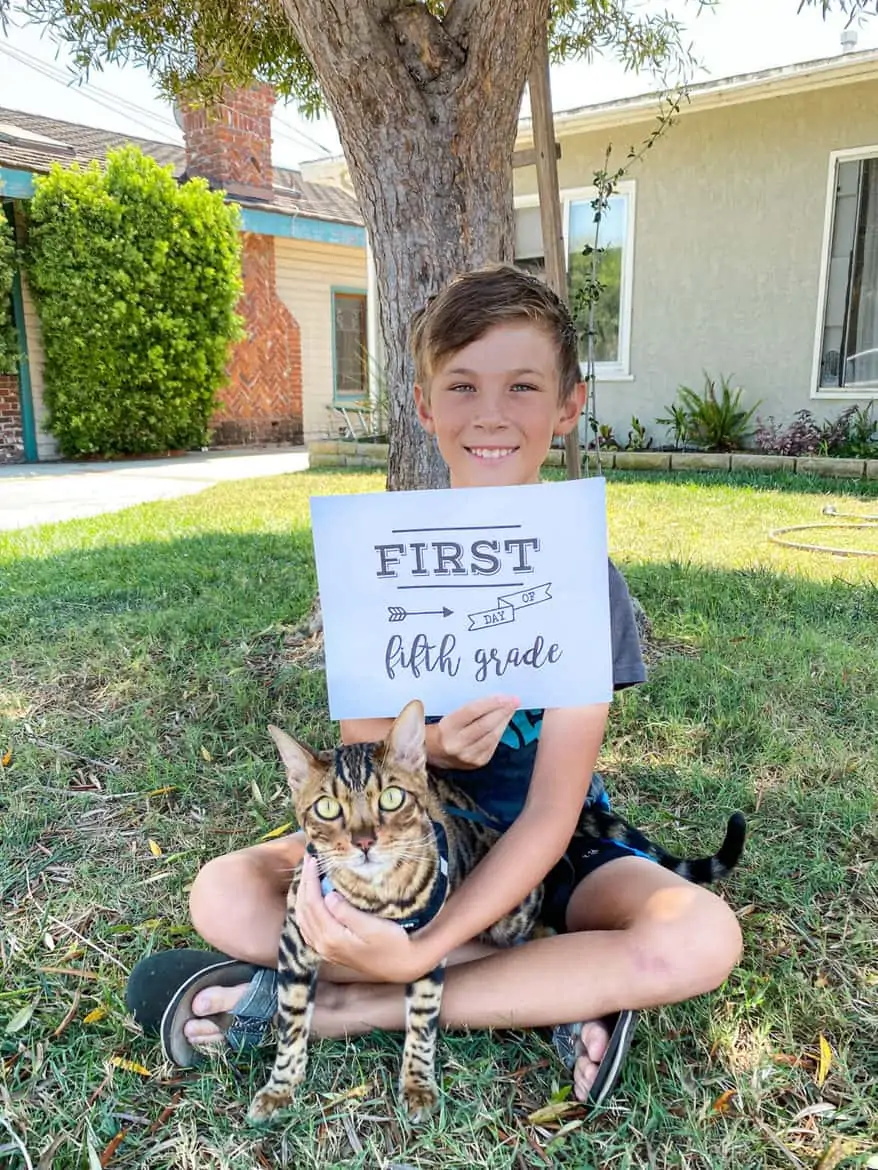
113	103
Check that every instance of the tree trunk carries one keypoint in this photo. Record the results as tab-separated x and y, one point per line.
427	113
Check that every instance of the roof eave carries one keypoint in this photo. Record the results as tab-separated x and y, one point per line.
712	95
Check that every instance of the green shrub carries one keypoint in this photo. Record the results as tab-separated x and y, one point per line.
136	280
716	422
8	333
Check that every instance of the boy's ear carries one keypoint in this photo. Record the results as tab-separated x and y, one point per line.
298	760
570	410
422	406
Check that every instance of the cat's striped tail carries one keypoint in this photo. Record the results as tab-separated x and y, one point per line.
607	826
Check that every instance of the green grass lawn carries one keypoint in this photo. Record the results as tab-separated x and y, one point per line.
142	655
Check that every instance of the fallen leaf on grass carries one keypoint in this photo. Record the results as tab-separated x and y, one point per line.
163	791
94	1015
257	793
78	971
825	1061
206	756
6	758
726	1102
48	942
356	1092
154	847
21	1018
836	1152
278	832
130	1066
111	1147
554	1111
791	1061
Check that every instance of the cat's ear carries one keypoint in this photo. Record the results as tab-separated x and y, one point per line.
298	761
406	740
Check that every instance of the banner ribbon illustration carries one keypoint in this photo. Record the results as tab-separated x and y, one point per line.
507	606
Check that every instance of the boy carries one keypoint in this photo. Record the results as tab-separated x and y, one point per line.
497	376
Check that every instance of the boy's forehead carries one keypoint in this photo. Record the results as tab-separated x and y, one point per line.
515	347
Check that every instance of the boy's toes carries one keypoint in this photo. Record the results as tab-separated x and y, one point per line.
593	1045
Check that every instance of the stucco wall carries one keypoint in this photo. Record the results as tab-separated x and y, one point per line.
306	275
729	227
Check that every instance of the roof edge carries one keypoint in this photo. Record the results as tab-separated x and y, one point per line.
786	80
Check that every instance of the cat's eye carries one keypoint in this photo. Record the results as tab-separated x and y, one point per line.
327	808
391	799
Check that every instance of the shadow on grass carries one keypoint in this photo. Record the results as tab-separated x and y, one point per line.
137	682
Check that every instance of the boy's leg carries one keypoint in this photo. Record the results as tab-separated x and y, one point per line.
640	937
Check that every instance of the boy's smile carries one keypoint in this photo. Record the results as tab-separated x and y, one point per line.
494	406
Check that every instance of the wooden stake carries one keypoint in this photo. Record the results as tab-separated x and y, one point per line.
550	202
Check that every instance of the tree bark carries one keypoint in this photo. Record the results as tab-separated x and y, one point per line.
427	113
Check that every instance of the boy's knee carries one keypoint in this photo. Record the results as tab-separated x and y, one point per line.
694	952
215	885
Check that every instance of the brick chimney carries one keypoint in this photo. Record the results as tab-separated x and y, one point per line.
229	144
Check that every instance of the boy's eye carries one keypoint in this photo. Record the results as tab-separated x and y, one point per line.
461	388
327	808
518	386
391	799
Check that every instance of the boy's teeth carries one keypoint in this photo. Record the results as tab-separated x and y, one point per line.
491	452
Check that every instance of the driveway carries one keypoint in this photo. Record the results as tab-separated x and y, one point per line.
42	493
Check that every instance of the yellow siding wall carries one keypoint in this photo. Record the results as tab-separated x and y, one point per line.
306	274
730	209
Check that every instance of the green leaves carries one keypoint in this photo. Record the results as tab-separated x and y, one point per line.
8	335
716	422
136	279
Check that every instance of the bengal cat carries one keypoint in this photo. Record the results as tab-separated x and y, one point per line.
395	839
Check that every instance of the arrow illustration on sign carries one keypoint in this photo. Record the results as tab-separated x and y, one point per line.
507	605
398	614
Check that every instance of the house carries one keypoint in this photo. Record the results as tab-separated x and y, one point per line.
304	272
744	243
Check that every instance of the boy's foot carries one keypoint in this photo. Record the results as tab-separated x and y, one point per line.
595	1052
163	988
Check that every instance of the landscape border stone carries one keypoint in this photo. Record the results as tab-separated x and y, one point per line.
353	453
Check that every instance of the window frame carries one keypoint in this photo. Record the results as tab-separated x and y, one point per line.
618	371
346	398
837	393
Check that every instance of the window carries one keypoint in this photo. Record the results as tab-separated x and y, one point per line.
848	355
350	352
615	267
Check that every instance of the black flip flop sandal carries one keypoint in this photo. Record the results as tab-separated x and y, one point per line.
567	1042
161	989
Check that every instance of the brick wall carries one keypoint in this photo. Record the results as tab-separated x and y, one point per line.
11	438
263	400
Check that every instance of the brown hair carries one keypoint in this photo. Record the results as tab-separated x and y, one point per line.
474	302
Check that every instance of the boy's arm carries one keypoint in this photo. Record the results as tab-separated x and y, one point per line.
569	744
465	738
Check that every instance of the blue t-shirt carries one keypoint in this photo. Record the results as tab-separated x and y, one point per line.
500	786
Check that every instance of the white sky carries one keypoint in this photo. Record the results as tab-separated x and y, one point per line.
738	36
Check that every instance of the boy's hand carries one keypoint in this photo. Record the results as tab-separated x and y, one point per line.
341	934
468	737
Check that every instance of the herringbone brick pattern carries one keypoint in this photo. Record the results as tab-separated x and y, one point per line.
263	400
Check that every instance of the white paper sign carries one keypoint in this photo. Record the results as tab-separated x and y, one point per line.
445	596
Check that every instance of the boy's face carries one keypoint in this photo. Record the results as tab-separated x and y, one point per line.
494	406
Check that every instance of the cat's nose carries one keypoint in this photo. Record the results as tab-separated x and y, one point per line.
364	843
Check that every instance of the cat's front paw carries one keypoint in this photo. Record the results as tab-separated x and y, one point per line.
267	1102
420	1098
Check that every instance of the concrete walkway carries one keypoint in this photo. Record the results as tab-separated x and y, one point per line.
42	493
